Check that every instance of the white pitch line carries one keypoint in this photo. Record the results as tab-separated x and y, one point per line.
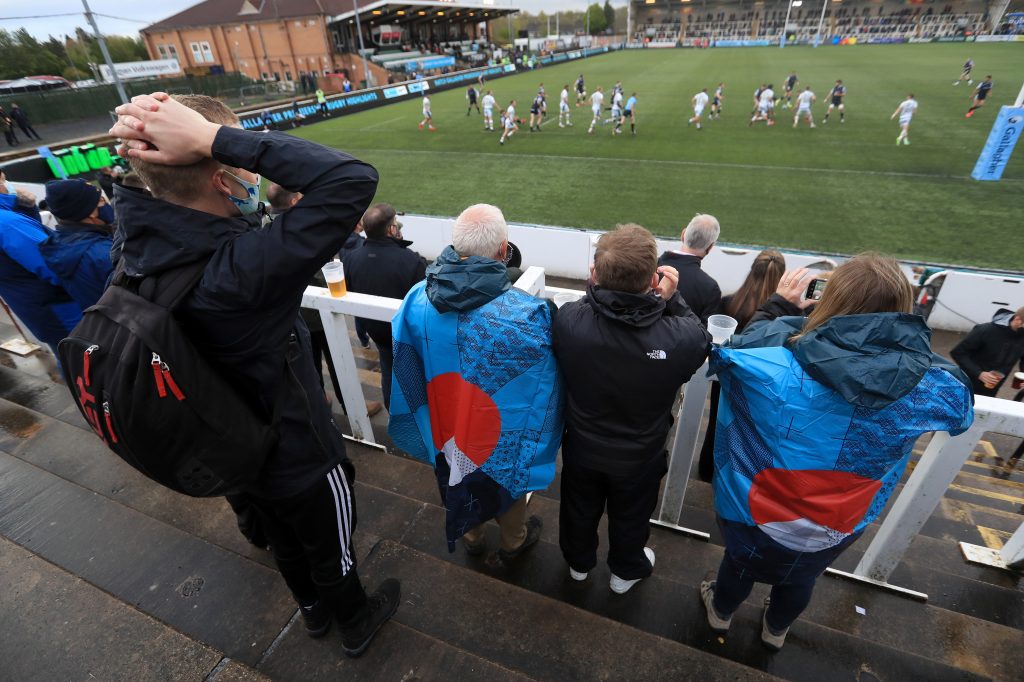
695	164
382	123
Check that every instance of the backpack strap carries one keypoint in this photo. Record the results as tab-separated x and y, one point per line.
167	289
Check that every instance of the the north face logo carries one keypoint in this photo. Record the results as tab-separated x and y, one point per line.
657	355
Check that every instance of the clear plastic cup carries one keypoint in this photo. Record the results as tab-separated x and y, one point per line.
562	299
721	327
334	273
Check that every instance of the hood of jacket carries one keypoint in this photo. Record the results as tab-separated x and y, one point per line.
458	284
64	250
870	360
159	235
636	310
1002	317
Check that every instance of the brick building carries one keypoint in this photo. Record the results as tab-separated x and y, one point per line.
264	39
278	40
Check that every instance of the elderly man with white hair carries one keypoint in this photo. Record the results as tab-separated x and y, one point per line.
700	291
476	390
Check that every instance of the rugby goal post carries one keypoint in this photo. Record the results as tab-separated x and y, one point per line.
1001	140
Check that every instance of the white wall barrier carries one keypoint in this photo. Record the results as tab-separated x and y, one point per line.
966	298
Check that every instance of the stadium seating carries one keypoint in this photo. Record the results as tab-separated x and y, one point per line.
864	21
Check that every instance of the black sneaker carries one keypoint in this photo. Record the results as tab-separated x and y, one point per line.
318	619
381	605
533	527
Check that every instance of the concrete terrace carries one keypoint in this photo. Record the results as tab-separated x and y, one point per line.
107	576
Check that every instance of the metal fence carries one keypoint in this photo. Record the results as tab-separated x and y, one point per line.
54	106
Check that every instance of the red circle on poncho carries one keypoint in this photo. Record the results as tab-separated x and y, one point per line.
461	409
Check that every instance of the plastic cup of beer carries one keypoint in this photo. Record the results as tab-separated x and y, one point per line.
1018	379
334	273
721	327
1000	376
562	299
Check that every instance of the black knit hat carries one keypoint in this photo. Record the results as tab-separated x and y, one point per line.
72	200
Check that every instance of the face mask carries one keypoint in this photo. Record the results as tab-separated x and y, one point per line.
251	203
106	214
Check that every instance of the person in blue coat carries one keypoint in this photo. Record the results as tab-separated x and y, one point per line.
27	284
79	251
815	428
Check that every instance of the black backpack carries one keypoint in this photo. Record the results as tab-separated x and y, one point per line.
153	399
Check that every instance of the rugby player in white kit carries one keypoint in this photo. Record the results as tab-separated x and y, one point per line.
804	101
699	101
905	111
596	105
563	108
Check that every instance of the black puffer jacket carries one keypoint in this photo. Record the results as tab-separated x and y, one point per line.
992	346
384	266
624	357
244	313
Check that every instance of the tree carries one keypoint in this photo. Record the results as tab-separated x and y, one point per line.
609	15
598	22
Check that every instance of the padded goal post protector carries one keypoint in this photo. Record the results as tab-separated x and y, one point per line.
997	150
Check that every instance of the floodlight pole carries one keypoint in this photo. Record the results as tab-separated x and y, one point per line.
362	49
785	25
817	36
106	53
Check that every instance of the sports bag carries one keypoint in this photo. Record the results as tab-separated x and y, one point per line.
153	399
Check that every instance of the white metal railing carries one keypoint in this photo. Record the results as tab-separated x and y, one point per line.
941	462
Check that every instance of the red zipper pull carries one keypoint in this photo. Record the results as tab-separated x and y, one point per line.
85	361
158	376
110	423
171	384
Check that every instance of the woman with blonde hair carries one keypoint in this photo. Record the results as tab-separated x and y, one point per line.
816	425
756	290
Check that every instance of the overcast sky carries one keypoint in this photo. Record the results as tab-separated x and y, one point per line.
147	13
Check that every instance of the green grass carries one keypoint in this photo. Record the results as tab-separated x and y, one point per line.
838	188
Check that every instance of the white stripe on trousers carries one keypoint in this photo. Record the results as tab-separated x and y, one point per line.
343	508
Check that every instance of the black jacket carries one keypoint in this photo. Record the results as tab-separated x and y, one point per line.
992	346
383	267
243	314
700	291
775	306
624	357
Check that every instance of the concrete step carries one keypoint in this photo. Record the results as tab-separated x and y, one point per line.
524	631
147	532
215	596
833	609
58	627
932	565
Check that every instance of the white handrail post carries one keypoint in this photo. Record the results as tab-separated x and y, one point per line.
684	450
532	281
339	342
1012	552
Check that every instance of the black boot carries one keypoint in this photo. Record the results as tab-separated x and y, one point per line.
379	608
318	619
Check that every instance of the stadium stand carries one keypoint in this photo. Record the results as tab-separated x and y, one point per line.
862	21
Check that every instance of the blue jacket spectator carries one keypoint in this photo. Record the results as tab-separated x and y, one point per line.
27	284
817	421
79	251
476	390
